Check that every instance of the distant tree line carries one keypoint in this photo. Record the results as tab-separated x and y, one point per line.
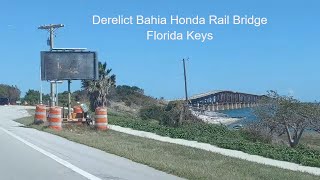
10	92
32	97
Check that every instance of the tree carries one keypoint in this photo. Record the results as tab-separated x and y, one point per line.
63	98
80	96
99	89
10	92
286	115
33	97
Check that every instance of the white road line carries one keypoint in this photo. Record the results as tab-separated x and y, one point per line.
59	160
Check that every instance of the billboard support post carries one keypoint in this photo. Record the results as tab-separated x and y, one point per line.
57	103
40	86
52	93
69	99
57	92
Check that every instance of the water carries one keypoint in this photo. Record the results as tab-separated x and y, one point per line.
245	114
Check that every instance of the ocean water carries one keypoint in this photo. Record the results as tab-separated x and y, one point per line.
245	114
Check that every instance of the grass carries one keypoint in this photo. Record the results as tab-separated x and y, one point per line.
309	139
222	137
179	160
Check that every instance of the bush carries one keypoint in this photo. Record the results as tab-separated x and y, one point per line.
152	112
131	95
256	133
173	114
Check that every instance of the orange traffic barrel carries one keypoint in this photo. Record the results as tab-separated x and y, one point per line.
55	120
40	115
101	118
78	110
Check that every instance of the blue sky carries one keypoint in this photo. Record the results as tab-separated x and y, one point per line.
282	55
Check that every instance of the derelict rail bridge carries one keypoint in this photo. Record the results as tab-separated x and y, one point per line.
223	100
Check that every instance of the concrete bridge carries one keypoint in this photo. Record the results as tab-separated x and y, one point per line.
223	100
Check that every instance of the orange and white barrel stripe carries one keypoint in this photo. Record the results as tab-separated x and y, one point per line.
101	118
40	114
78	111
55	120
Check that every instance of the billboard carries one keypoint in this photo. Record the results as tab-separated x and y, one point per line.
60	65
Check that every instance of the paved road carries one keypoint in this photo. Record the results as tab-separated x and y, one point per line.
26	153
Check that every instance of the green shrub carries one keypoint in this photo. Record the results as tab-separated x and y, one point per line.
131	95
256	133
151	112
168	115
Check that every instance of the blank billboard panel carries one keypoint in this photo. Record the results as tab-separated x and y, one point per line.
68	65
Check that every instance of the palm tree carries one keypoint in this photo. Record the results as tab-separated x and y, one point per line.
99	89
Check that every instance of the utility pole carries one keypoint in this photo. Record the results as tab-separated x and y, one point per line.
51	28
185	79
185	106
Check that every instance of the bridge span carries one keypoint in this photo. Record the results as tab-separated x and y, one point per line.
223	100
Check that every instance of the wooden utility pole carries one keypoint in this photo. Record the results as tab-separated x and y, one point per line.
185	105
185	79
51	28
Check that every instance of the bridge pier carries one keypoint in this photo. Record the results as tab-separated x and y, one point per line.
221	107
210	107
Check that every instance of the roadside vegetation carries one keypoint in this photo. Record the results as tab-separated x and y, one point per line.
179	160
283	115
12	93
221	136
281	125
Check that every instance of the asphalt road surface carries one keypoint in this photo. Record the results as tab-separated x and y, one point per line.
27	153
